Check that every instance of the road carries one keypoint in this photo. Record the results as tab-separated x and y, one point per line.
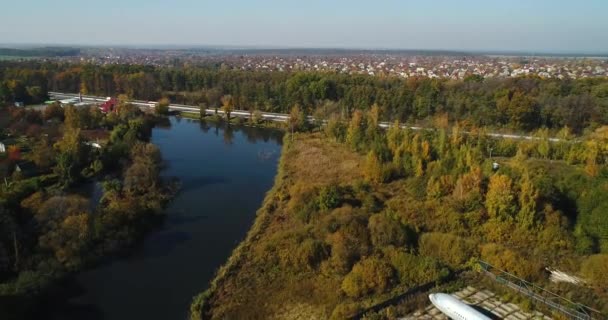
281	117
175	107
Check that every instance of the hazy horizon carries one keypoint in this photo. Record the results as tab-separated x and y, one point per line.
169	46
541	26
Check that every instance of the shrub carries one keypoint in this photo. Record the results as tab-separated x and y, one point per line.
311	253
511	261
329	197
385	231
415	270
595	270
448	248
370	203
367	276
238	121
345	311
256	117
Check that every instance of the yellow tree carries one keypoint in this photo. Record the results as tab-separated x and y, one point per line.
456	135
394	136
544	148
595	268
374	171
528	196
426	150
564	135
499	198
419	168
591	167
441	120
468	185
72	117
415	148
70	154
296	120
123	99
227	105
162	107
83	87
368	275
373	120
354	133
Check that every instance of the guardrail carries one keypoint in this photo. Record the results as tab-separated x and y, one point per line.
555	302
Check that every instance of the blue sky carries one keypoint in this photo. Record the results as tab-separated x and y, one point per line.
529	25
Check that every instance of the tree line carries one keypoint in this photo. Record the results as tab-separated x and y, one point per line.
524	103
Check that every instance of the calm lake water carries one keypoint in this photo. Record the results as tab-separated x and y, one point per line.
225	173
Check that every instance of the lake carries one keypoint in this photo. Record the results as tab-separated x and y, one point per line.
224	174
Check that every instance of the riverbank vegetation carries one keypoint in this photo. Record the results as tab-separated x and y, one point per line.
252	121
49	226
359	215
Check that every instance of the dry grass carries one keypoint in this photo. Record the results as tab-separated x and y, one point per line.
313	161
251	286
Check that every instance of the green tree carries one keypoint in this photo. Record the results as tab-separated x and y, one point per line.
66	169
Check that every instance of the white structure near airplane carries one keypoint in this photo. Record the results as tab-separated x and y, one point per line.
454	308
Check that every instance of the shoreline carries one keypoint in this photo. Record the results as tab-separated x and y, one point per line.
200	302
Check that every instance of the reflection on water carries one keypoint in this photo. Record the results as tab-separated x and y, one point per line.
253	134
224	172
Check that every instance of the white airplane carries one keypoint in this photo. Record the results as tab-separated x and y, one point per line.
454	308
